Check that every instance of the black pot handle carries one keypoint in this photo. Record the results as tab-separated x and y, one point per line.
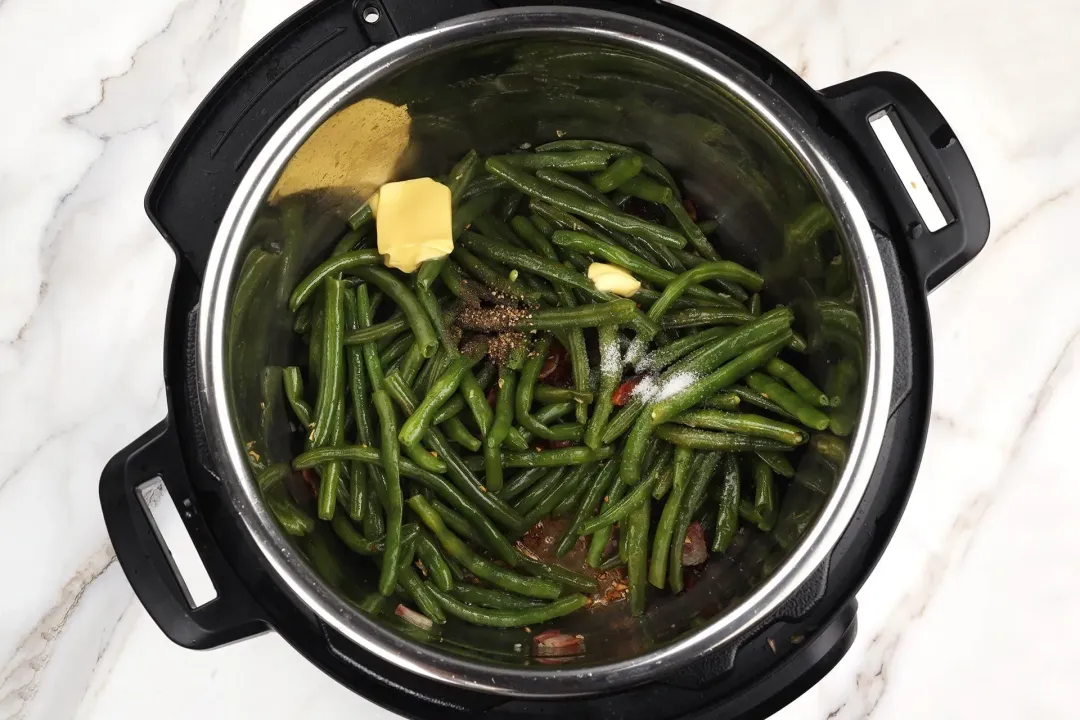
233	614
937	254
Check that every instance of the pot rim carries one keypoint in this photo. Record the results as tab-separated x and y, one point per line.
229	456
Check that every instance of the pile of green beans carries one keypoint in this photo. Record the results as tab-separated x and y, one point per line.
445	413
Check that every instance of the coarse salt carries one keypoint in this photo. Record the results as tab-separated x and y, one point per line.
676	383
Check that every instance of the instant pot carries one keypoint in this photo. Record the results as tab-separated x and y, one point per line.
748	139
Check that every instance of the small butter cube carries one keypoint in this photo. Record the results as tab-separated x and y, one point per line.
612	279
412	221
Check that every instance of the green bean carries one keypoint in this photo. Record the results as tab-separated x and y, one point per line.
353	539
332	268
494	228
623	169
510	618
421	594
843	385
293	381
397	350
459	473
293	249
730	271
797	382
565	577
753	397
743	424
619	510
755	304
524	394
579	361
692	231
637	556
347	243
705	360
457	523
808	415
727	516
400	293
593	495
664	529
523	481
536	240
709	226
539	491
442	389
695	317
664	480
695	494
569	182
361	217
331	487
411	364
573	161
549	395
496	282
557	457
542	224
478	566
798	343
600	538
570	202
254	275
610	374
667	354
556	495
373	523
434	563
525	260
723	401
663	410
468	212
389	329
616	311
493	599
500	426
645	189
797	511
456	431
450	409
651	165
716	441
764	494
461	175
492	538
292	519
329	387
393	504
302	321
777	461
624	258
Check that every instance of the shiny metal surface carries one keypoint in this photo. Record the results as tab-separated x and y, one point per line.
491	81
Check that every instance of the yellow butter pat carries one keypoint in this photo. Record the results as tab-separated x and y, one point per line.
412	222
612	279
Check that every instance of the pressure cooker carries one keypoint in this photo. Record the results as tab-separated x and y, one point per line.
741	130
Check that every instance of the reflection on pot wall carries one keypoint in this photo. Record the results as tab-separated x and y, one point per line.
747	190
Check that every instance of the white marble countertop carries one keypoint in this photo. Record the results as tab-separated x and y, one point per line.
972	612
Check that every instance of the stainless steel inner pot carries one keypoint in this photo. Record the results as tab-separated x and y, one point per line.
492	82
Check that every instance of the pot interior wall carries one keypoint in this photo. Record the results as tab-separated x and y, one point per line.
495	96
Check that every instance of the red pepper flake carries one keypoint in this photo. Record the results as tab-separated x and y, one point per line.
556	368
622	394
312	480
492	396
691	208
